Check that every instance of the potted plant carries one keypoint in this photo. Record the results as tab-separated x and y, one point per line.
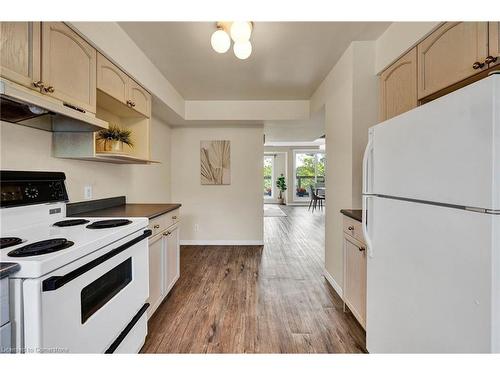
301	192
113	138
281	185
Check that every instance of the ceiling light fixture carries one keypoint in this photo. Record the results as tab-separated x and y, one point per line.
220	41
240	32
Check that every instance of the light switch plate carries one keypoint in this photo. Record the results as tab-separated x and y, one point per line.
87	192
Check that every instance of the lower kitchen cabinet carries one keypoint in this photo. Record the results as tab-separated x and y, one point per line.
354	290
164	264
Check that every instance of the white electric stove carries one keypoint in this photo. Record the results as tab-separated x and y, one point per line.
83	282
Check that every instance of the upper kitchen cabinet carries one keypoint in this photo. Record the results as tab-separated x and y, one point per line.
68	67
494	43
111	80
122	95
398	86
452	53
140	99
20	52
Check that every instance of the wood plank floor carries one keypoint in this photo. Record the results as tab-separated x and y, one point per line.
253	299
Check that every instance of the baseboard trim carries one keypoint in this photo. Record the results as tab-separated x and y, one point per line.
333	283
222	242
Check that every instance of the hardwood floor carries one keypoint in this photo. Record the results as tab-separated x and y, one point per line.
249	299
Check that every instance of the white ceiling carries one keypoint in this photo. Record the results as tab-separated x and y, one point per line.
289	59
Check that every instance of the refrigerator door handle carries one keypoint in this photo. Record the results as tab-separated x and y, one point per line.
366	161
364	225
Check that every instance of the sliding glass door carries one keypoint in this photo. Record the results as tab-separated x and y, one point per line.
309	170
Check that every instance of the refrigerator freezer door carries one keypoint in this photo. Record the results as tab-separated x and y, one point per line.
429	280
445	151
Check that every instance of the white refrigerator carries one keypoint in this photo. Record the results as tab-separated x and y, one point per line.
431	219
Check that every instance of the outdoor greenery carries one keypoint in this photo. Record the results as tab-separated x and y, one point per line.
268	175
305	172
115	133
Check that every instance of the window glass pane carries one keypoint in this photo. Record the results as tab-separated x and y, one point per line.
309	172
268	176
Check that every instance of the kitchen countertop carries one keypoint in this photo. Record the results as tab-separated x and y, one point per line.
7	269
353	214
149	210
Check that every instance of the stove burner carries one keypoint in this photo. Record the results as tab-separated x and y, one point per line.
71	222
41	247
9	241
101	224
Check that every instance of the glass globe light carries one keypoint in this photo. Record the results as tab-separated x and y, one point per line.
242	50
220	41
241	31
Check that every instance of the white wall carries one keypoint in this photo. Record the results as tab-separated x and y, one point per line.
397	39
226	214
349	96
24	148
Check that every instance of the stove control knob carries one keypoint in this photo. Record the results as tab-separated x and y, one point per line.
31	192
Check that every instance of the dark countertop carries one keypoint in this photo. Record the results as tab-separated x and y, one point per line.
353	214
7	269
150	210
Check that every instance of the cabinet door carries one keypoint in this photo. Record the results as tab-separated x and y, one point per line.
68	66
398	86
172	264
494	41
354	291
156	282
447	55
20	52
140	98
111	80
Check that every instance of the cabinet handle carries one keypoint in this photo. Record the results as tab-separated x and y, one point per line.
174	217
490	59
477	65
156	226
361	248
132	104
38	84
350	227
49	89
167	233
129	103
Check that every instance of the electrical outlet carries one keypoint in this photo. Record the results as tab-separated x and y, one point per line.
87	192
196	227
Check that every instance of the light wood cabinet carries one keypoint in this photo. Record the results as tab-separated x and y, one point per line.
172	263
140	99
20	52
112	81
354	289
156	289
68	66
454	52
398	86
164	258
494	42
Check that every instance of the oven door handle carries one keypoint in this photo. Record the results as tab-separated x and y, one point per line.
56	282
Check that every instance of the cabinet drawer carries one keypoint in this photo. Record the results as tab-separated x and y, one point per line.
353	228
160	223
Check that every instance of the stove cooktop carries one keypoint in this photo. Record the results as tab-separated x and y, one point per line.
9	241
70	222
112	223
40	256
41	247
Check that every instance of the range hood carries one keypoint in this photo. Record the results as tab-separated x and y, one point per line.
26	107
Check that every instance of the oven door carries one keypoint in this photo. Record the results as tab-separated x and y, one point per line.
86	306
